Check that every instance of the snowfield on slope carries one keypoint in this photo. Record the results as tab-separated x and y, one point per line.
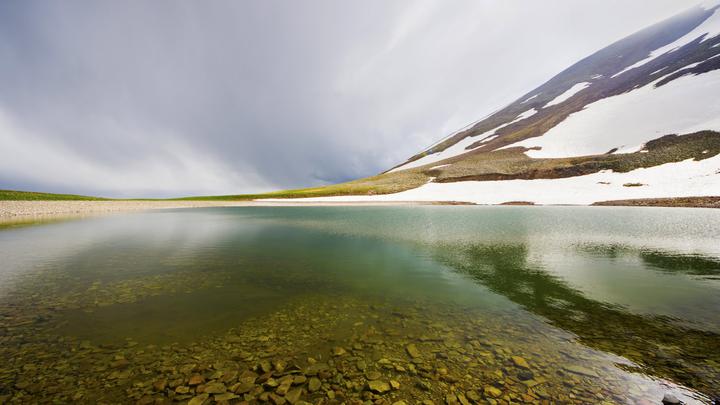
459	147
688	178
576	88
627	121
709	28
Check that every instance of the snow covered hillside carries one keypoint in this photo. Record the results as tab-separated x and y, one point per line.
597	131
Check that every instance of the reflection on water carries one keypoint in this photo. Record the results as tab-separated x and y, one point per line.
349	304
658	344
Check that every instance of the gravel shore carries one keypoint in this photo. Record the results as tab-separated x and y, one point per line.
15	209
18	210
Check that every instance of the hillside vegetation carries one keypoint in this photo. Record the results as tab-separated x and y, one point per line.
13	195
504	164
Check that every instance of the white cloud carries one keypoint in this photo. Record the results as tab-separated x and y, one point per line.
30	157
236	97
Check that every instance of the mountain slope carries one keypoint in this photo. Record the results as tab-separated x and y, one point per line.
596	131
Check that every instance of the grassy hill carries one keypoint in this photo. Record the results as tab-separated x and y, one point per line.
13	195
506	164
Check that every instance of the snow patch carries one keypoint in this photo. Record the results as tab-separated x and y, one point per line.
489	138
529	98
709	28
437	167
576	88
527	114
629	149
460	147
681	179
657	71
690	66
684	105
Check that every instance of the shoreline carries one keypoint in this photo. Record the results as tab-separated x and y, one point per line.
23	210
28	210
40	209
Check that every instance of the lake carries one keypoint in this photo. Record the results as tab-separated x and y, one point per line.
422	304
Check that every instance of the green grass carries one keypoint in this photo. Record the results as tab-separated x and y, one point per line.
503	164
381	184
510	164
6	195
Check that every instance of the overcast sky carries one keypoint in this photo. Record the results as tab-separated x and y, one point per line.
167	98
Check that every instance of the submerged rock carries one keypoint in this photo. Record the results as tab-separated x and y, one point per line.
215	388
378	386
670	399
581	370
525	375
412	350
196	380
492	392
199	400
284	386
520	362
314	384
294	395
225	397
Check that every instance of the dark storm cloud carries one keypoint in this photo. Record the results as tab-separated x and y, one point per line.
160	98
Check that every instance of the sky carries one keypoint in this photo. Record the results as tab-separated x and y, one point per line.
175	98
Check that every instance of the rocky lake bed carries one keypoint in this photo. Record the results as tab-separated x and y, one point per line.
168	318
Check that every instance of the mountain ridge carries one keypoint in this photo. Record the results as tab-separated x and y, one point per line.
593	68
632	112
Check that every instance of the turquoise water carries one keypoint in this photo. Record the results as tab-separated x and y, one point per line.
514	304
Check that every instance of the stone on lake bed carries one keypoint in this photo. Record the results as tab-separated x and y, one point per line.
199	400
670	399
412	350
373	375
491	391
196	380
248	377
378	387
338	351
314	384
525	375
276	399
314	369
225	397
279	365
160	385
120	363
520	362
284	387
244	387
395	384
215	388
293	395
581	370
472	395
463	399
265	366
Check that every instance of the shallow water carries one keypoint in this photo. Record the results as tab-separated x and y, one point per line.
448	303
